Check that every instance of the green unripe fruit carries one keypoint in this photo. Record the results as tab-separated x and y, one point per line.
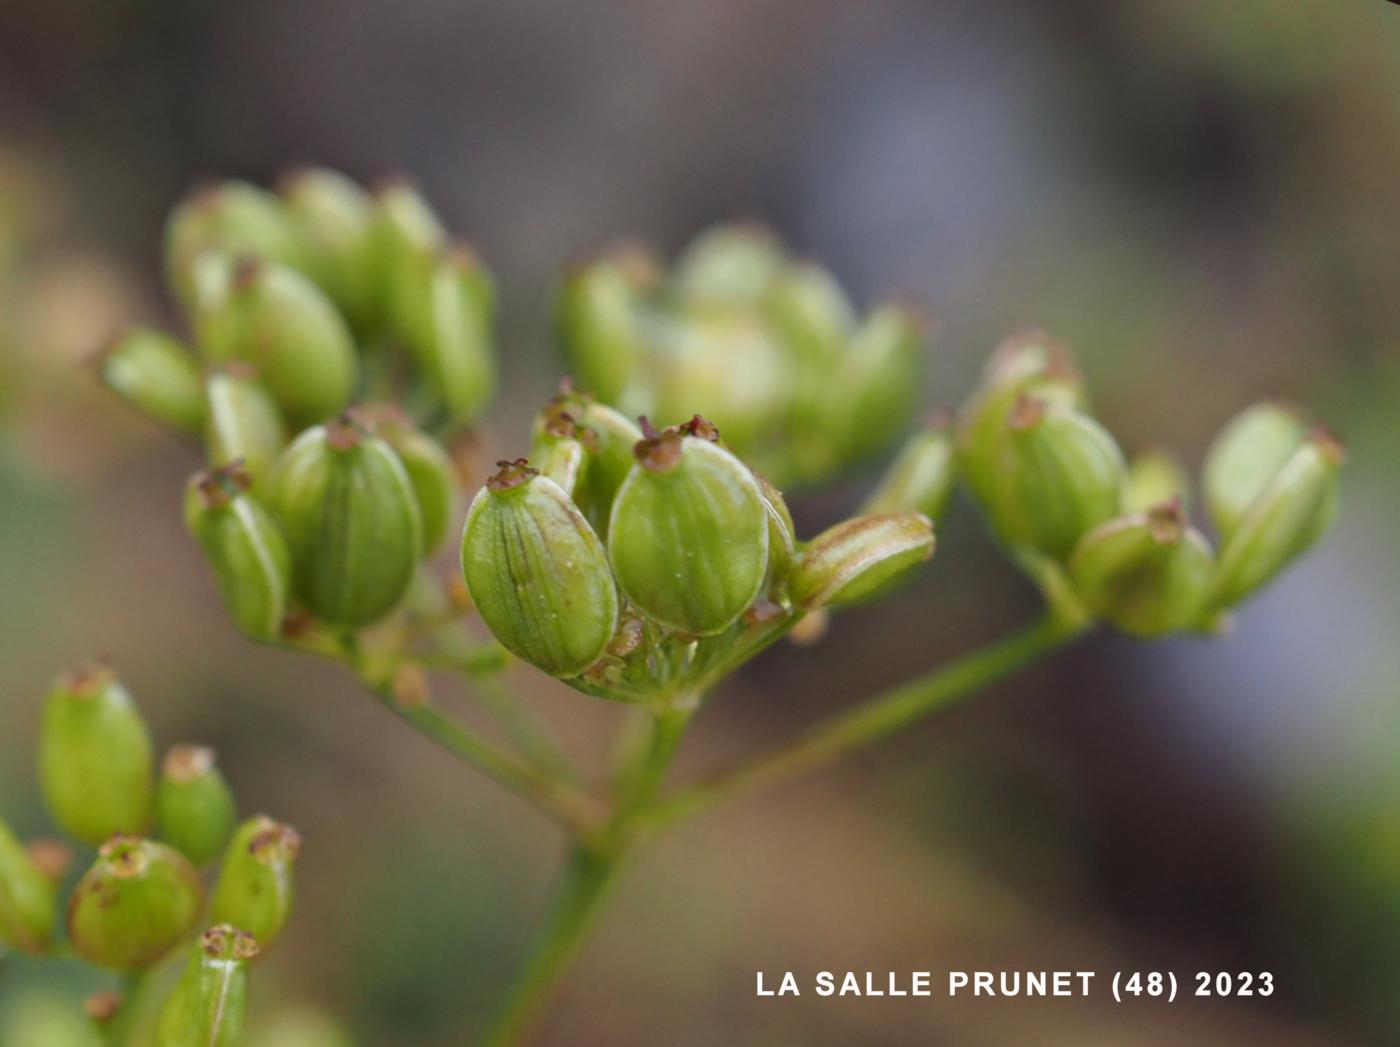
276	319
194	805
28	897
728	363
1063	477
347	508
597	315
1147	574
452	341
1292	512
406	241
1153	478
813	314
1245	459
335	218
233	219
158	376
782	536
95	764
243	423
920	480
872	391
245	548
135	904
561	448
688	537
729	264
431	472
614	436
207	1006
858	558
254	892
1026	363
537	573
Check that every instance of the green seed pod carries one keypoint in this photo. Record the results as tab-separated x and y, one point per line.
347	508
537	573
1063	477
234	219
611	460
813	313
920	480
453	344
1245	459
243	423
244	547
729	264
597	318
254	891
1155	477
561	449
276	319
726	361
135	904
28	897
335	218
95	764
1288	515
872	392
1029	362
782	535
431	472
194	804
407	239
858	558
158	376
1147	573
207	1006
688	538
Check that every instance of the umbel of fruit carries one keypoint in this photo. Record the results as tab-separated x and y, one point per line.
135	904
347	508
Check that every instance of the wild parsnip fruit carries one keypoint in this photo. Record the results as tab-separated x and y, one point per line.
95	762
348	510
28	897
244	547
208	1004
537	573
255	888
158	376
194	805
688	535
136	903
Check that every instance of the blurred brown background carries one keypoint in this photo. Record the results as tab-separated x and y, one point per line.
1199	196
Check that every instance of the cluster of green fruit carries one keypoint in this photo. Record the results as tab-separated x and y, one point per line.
144	895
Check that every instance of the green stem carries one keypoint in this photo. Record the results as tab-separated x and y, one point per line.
874	718
555	797
577	901
525	731
592	868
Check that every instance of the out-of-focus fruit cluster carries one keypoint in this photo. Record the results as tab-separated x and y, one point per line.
766	345
155	832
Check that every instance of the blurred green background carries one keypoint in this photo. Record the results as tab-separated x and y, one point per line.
1199	196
